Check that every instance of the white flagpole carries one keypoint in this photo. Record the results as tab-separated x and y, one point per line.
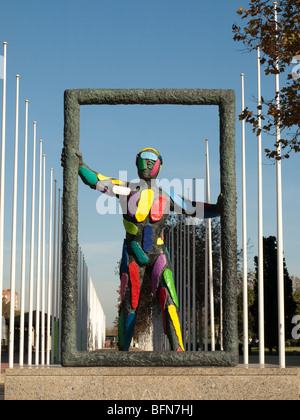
23	263
13	241
206	279
244	217
260	225
177	260
194	273
59	271
181	289
38	275
2	178
280	273
31	267
189	285
210	260
53	277
206	291
184	282
43	264
221	298
50	262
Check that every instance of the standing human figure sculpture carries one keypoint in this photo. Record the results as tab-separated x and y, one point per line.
145	209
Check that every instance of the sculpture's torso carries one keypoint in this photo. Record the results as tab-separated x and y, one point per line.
144	215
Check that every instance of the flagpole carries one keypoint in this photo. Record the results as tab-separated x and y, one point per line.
14	232
221	297
244	222
280	273
206	290
210	260
50	262
43	264
23	263
58	270
189	283
53	277
2	179
260	267
31	267
38	275
184	282
194	273
180	279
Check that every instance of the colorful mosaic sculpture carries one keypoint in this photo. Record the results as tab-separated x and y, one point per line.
144	251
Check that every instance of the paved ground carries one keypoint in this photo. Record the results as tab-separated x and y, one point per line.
291	361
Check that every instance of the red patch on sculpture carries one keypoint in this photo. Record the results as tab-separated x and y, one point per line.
135	284
158	209
162	297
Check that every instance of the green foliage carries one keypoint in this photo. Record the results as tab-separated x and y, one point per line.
282	42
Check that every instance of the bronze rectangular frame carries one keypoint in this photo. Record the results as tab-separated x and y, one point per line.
225	100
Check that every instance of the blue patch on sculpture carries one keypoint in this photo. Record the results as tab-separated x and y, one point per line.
147	238
129	329
124	264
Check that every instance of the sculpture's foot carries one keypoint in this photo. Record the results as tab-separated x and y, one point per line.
179	349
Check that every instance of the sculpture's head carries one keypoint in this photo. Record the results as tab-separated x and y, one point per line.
148	162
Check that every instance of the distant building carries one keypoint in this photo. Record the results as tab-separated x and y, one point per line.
6	297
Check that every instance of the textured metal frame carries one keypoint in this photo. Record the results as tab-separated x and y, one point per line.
225	100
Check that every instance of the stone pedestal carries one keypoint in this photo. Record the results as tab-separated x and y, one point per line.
240	383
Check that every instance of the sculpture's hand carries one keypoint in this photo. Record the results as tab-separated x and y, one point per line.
80	160
77	153
219	204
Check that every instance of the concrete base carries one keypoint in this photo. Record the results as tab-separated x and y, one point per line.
240	383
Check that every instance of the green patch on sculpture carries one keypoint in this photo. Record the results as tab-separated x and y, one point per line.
130	227
88	175
168	276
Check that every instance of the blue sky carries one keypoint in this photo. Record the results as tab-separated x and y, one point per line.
68	44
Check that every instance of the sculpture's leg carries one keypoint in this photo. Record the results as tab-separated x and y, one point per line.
131	283
167	298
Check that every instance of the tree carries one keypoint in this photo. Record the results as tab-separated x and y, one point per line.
5	308
296	294
271	296
283	43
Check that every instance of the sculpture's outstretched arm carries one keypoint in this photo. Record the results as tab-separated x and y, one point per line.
106	185
201	210
185	206
96	181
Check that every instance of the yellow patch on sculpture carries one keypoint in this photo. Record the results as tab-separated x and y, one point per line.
116	182
159	241
144	205
175	320
102	177
148	148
